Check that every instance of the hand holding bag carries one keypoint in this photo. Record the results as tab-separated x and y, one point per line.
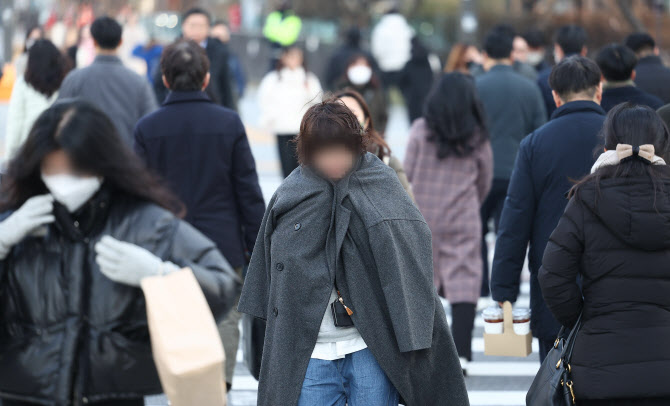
185	341
553	385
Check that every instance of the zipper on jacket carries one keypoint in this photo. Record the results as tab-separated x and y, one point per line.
83	347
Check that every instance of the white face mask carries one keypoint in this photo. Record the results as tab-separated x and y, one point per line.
535	57
72	191
359	74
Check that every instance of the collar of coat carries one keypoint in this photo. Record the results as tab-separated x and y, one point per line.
189	96
578	106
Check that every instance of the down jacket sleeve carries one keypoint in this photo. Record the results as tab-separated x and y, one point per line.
216	277
561	265
402	253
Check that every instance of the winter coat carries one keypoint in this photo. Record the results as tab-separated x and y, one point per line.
545	89
220	87
394	163
364	232
416	80
375	96
549	161
202	151
70	334
449	193
653	77
25	105
390	42
122	94
622	94
284	97
514	108
617	241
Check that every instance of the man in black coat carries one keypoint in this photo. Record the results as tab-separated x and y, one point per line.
202	150
650	74
570	40
548	160
617	64
195	26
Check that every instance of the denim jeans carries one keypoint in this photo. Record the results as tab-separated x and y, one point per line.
356	380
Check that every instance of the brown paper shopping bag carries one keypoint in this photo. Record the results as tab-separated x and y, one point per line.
185	341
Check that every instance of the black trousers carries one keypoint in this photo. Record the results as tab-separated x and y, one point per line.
491	209
138	402
545	347
287	153
462	324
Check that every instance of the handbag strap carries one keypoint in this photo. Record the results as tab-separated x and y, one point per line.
569	347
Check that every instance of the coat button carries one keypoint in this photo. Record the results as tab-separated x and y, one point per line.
279	266
297	226
275	312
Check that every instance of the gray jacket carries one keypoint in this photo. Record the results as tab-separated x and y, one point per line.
121	93
514	108
365	232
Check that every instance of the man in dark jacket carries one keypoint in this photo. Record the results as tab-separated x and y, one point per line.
202	150
650	74
617	64
549	160
195	26
570	40
514	108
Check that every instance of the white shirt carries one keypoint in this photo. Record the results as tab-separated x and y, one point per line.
391	42
336	342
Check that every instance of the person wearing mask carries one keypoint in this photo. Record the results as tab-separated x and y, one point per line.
348	323
221	31
464	58
417	79
391	45
121	93
226	203
377	144
520	57
617	63
570	40
651	75
450	165
339	60
195	26
83	224
284	95
34	92
360	76
607	260
549	160
536	55
514	108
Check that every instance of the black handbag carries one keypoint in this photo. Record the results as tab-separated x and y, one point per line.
553	385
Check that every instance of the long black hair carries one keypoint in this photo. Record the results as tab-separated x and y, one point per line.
633	125
455	116
47	67
91	141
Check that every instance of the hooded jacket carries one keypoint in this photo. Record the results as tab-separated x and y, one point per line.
365	233
618	240
68	334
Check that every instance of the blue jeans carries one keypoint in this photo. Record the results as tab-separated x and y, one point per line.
356	380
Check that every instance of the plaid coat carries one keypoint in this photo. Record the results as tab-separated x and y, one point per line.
449	193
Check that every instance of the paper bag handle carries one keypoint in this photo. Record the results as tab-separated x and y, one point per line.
508	318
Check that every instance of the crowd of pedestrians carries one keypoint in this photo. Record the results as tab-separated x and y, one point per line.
112	177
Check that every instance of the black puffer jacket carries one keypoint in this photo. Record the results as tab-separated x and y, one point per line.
619	241
68	334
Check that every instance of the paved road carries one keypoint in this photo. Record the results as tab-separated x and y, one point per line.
492	381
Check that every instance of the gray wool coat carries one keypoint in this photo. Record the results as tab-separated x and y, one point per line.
365	231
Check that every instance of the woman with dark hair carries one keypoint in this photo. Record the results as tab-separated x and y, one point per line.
342	273
284	95
608	260
34	33
34	92
450	165
361	77
377	144
84	224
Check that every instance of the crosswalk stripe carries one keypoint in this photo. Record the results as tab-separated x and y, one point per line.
503	368
497	398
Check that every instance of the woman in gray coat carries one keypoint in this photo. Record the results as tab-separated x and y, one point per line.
342	272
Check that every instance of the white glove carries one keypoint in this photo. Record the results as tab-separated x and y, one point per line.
35	212
127	263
